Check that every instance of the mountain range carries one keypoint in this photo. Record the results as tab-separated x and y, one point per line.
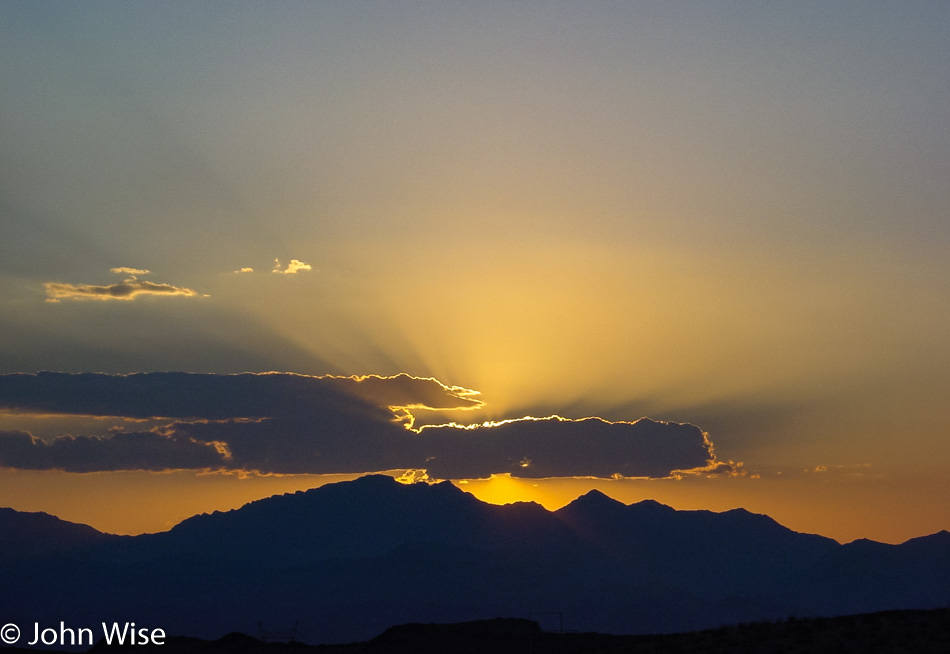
345	561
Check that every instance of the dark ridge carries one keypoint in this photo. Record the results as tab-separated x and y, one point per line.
23	533
347	560
941	537
592	502
651	506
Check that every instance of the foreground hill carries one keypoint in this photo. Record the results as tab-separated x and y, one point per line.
889	632
343	562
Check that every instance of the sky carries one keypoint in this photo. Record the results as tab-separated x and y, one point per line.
728	219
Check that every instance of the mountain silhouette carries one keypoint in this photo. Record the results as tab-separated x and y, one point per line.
30	534
345	561
736	551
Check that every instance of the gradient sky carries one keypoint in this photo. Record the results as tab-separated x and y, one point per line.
729	214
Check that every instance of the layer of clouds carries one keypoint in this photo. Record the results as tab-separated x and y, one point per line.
558	447
285	423
124	451
184	395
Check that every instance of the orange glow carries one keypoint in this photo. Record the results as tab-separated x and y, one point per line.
844	507
148	501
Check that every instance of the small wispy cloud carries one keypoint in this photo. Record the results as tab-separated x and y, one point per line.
129	289
56	291
851	470
245	269
292	268
134	272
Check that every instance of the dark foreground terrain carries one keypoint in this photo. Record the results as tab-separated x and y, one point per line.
343	562
889	631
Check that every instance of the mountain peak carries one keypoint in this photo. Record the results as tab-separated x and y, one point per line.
653	505
41	523
593	498
596	497
22	532
651	509
591	506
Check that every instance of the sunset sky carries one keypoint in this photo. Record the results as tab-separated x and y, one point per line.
730	215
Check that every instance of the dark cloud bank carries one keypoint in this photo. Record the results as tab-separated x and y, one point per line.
287	423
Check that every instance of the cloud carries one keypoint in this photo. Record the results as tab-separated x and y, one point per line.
850	470
561	447
292	268
286	423
124	451
182	395
135	272
245	269
129	289
403	394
